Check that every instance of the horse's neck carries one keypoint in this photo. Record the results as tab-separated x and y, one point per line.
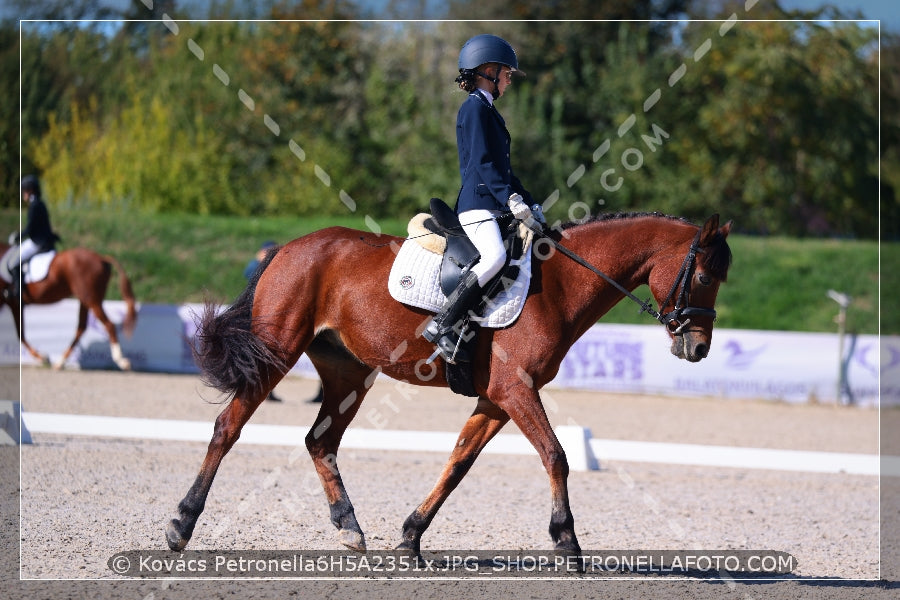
621	249
625	250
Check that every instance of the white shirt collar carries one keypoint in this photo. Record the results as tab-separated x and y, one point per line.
488	96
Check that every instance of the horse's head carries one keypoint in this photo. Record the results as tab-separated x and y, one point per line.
685	286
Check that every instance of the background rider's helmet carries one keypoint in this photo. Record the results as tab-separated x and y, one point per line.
31	185
487	48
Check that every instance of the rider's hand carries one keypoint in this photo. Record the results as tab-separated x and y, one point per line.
519	209
13	238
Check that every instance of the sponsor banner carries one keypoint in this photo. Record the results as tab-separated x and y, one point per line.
789	366
775	365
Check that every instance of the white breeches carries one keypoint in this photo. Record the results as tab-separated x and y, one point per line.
481	227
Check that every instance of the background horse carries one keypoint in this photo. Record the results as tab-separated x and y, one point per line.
84	274
326	294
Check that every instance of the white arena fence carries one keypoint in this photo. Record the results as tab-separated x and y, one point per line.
771	365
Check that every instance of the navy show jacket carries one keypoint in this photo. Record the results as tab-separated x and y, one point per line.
483	143
38	226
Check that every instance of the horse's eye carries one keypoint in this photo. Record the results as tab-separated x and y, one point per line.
704	279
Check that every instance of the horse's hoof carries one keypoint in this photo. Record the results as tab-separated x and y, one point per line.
354	540
408	550
571	551
57	366
573	561
124	364
568	547
414	553
176	541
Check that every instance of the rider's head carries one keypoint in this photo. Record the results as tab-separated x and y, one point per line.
487	61
31	187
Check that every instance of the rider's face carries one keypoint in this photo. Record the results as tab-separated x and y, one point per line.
504	74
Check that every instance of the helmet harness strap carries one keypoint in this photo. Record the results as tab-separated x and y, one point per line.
495	80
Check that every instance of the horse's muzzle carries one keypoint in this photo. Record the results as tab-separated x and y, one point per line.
689	348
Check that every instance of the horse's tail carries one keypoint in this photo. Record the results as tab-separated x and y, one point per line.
127	295
231	358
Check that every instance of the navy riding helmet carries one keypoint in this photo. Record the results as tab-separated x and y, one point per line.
31	184
487	48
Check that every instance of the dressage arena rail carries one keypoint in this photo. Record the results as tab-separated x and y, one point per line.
583	452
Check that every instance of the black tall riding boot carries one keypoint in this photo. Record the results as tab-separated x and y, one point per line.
445	329
12	290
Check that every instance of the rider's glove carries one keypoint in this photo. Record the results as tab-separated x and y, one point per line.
519	209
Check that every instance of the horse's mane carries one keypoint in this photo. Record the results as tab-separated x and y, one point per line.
617	216
716	258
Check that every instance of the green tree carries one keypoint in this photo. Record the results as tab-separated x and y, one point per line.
774	126
9	115
779	124
890	136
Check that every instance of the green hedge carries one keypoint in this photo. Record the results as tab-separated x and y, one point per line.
775	283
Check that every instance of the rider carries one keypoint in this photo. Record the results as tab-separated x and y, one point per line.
489	187
37	236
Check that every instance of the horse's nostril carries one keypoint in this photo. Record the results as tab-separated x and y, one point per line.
702	350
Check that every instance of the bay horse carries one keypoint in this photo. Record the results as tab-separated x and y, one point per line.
326	294
84	274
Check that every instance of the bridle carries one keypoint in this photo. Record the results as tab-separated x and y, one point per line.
679	317
682	304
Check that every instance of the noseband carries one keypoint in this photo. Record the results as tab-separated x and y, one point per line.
679	317
676	320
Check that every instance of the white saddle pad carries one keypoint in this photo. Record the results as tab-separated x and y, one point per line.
35	270
38	267
415	281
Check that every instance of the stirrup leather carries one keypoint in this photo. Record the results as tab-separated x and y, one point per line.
447	329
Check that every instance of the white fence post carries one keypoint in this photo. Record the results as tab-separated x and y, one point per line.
576	441
10	422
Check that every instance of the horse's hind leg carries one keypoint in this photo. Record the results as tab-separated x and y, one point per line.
227	431
344	385
485	422
114	347
79	331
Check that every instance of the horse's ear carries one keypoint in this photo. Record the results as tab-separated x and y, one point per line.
726	228
709	229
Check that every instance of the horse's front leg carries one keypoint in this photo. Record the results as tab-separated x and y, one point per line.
485	422
524	404
226	432
19	321
343	389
